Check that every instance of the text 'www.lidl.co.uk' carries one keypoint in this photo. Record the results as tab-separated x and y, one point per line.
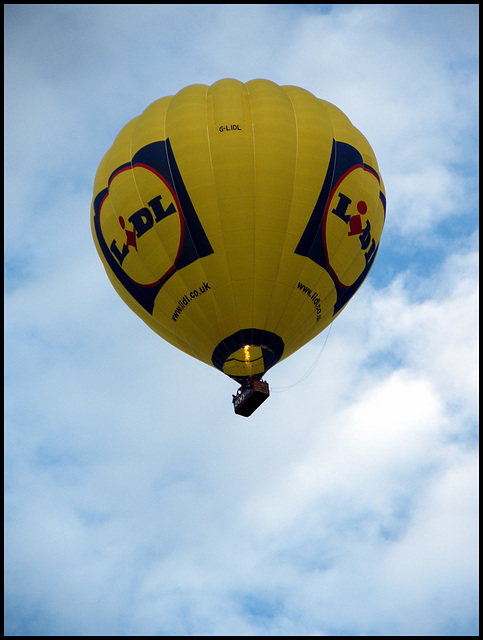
187	298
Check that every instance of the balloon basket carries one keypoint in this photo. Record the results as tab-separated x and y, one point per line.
250	396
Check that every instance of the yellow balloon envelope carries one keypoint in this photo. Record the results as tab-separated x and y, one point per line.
237	220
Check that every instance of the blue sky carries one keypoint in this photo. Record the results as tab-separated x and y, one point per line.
137	503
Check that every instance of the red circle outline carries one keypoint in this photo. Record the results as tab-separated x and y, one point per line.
166	275
324	224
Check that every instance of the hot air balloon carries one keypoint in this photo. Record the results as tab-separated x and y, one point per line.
237	220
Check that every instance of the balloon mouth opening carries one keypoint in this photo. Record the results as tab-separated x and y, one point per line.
248	353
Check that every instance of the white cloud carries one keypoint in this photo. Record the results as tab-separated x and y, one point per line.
437	335
437	554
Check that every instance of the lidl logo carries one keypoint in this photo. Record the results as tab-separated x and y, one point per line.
154	231
145	241
344	229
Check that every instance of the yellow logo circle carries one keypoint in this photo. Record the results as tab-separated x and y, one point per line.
143	233
353	224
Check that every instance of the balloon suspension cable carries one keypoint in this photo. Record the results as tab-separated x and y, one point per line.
310	369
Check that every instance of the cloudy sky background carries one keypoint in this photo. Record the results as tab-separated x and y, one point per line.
137	503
